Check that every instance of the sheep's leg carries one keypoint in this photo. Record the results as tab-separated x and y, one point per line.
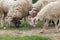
2	20
24	21
2	24
56	26
3	15
45	25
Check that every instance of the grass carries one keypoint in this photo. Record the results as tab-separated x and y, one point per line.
20	28
25	26
25	38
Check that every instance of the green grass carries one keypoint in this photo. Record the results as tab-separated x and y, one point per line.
25	26
25	38
20	28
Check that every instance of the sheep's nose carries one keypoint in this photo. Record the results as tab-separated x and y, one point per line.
17	25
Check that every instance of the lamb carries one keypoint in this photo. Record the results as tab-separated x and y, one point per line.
49	12
14	10
36	8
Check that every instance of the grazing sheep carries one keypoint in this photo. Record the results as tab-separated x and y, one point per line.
18	11
14	10
5	6
49	12
36	8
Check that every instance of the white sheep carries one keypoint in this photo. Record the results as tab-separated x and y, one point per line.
36	8
19	11
5	6
49	12
15	9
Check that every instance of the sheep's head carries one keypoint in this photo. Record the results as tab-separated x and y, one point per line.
14	17
16	21
33	12
32	15
13	21
33	21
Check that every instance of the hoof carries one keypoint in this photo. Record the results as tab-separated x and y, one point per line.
56	31
42	31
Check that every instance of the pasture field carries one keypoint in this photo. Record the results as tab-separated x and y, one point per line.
25	32
24	38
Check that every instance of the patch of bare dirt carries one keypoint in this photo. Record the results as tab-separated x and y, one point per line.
48	32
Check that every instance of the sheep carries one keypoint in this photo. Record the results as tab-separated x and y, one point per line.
19	11
14	10
49	12
36	8
1	14
5	6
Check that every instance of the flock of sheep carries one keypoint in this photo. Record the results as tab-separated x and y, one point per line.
13	11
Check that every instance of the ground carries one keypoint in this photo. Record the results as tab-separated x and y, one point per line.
49	32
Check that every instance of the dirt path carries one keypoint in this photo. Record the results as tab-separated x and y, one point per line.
49	32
